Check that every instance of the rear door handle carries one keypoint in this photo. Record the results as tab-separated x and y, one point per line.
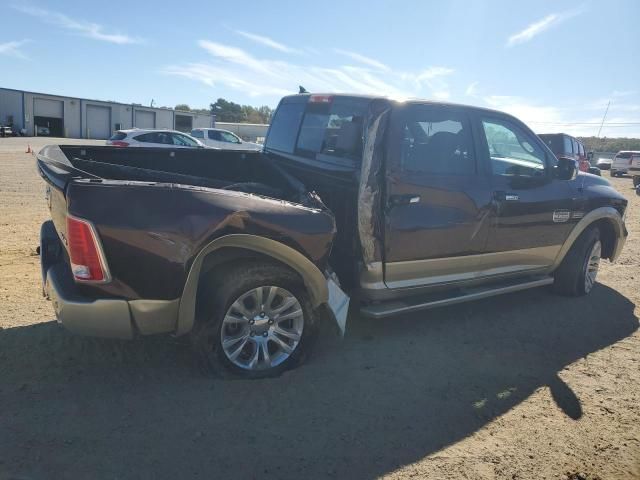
506	196
395	200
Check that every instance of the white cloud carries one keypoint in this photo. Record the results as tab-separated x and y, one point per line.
267	42
553	119
472	89
238	69
12	48
81	27
362	59
536	28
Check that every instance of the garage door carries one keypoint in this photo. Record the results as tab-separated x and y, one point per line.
98	121
145	119
48	117
43	107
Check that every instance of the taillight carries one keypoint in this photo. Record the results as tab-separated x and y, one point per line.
85	253
119	143
320	98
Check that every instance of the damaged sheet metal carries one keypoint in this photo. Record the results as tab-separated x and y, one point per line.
370	228
338	303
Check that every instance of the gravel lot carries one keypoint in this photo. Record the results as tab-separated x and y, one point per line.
525	386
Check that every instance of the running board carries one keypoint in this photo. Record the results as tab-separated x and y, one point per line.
412	304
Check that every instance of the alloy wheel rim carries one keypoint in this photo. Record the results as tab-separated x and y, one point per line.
262	328
592	266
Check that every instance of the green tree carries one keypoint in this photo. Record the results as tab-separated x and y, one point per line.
595	144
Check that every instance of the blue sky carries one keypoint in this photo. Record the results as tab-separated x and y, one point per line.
554	64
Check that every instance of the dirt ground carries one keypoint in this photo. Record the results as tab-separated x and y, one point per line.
524	386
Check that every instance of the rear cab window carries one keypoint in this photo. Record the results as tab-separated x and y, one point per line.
321	128
197	133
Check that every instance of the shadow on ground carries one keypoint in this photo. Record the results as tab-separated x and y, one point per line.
392	392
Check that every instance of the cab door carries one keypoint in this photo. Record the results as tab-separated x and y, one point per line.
437	198
532	211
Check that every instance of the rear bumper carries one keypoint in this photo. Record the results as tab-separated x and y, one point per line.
97	317
109	318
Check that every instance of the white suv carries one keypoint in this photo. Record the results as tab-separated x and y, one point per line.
138	137
215	137
623	161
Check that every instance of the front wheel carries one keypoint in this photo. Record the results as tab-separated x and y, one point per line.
260	321
577	273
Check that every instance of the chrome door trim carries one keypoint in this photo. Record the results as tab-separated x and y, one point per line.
415	273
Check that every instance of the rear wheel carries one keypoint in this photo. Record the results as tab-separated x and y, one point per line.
260	322
577	273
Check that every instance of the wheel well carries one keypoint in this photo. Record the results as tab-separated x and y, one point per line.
218	262
607	237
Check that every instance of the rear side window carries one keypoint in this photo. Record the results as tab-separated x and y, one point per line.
214	135
229	137
581	149
118	136
436	142
333	129
197	133
568	145
624	155
284	127
147	138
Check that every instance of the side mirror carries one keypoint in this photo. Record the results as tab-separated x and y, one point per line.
590	156
566	169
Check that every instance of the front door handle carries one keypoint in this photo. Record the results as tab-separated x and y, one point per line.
395	200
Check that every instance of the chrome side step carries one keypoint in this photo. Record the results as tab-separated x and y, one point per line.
412	304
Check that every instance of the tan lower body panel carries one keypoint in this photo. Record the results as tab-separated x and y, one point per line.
459	269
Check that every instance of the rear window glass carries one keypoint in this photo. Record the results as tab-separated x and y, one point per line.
568	145
554	142
118	136
284	128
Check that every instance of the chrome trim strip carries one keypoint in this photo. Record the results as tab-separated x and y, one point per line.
435	271
385	310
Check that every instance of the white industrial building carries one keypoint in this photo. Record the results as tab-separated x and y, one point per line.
40	114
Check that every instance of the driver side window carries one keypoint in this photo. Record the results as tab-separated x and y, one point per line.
513	151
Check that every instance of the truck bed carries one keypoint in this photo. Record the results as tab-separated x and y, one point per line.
155	209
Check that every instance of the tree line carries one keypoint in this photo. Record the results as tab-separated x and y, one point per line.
595	144
226	111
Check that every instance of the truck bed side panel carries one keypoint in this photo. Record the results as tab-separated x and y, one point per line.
152	232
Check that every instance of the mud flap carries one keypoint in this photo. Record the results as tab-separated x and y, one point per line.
338	304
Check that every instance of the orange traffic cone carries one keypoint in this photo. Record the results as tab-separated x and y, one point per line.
29	149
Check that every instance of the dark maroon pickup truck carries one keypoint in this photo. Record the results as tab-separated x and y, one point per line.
398	206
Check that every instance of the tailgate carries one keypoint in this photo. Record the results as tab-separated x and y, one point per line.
634	164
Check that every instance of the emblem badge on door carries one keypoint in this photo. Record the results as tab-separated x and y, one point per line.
561	216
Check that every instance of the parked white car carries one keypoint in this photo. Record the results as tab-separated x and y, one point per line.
623	160
224	139
138	137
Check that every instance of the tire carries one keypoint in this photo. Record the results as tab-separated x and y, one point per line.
612	173
226	340
577	273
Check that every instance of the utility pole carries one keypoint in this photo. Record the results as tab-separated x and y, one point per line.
605	116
